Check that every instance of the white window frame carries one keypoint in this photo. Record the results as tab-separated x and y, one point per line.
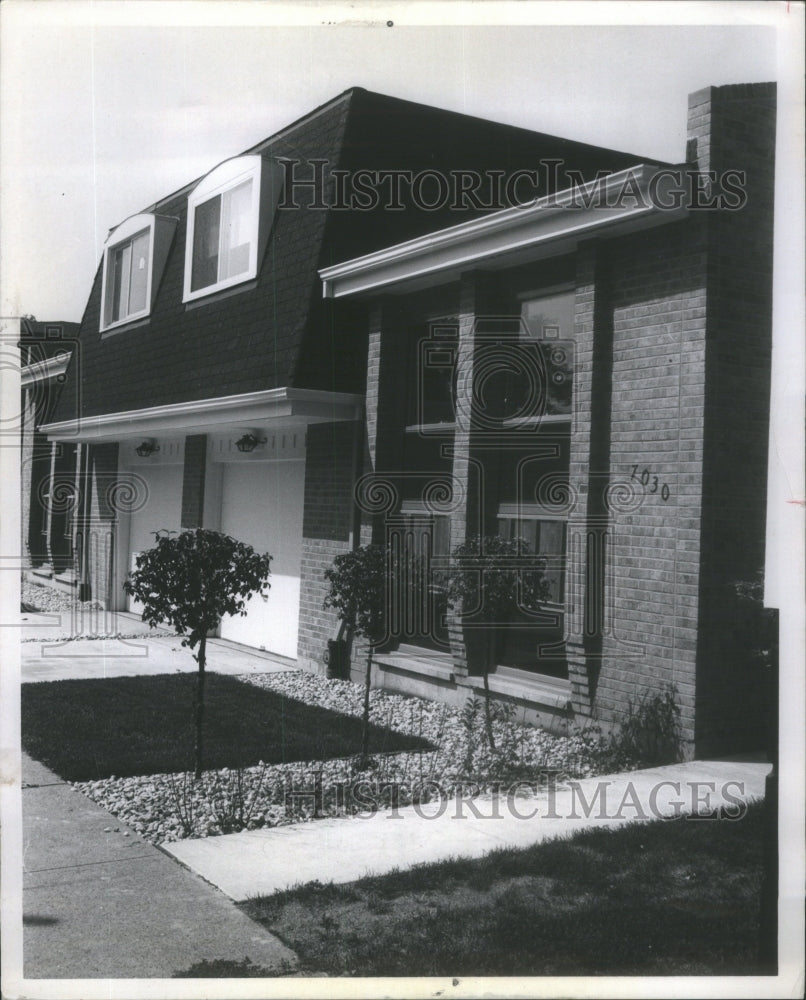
125	233
225	177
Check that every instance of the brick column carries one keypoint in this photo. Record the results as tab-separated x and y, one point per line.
385	405
193	481
476	441
734	129
589	468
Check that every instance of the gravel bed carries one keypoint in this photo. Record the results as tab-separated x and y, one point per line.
37	598
163	807
50	600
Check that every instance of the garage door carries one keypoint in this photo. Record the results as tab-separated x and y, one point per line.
262	505
162	509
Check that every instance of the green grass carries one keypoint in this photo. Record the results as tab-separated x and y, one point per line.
90	729
664	898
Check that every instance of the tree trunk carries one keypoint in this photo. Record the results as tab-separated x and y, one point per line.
365	725
487	714
200	658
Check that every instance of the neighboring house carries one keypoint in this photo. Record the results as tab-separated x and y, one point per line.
589	371
47	535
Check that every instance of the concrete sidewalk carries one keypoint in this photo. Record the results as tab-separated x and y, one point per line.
344	849
99	902
48	654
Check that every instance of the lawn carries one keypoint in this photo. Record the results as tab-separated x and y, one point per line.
85	730
666	898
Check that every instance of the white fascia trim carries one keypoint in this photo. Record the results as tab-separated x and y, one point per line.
553	218
43	371
296	406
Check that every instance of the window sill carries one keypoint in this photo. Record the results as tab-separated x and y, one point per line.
537	421
537	689
414	660
217	294
445	427
133	324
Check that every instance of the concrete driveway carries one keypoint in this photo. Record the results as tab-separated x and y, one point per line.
50	653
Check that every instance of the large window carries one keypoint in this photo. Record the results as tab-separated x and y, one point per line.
417	603
224	225
549	320
134	258
545	538
432	356
533	640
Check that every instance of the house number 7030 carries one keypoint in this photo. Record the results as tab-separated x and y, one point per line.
645	478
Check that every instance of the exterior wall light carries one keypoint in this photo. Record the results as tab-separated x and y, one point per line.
147	448
249	442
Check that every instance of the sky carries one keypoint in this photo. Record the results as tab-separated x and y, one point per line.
108	106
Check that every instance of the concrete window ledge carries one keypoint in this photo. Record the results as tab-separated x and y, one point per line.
535	689
418	661
45	572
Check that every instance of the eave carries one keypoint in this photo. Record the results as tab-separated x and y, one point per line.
44	370
285	406
551	225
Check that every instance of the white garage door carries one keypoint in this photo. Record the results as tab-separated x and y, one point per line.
162	509
262	505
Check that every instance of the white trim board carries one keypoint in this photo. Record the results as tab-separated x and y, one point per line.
289	406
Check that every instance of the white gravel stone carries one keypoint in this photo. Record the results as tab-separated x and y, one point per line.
170	807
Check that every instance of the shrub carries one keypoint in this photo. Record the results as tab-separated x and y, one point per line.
190	582
650	733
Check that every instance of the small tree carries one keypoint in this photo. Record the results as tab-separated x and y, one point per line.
358	594
190	581
488	577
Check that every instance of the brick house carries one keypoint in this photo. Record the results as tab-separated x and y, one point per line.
385	323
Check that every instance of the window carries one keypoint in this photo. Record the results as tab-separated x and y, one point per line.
549	320
546	539
228	218
222	237
134	258
417	605
431	393
127	278
534	641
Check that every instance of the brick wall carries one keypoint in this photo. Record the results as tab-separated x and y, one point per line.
328	524
193	480
735	129
645	473
685	313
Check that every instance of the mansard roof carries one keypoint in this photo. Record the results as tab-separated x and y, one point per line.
277	330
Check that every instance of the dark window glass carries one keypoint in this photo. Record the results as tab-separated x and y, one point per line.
206	225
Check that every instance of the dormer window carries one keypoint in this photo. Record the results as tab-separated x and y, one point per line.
134	257
128	277
228	220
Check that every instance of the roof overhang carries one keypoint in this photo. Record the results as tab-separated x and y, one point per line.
44	370
637	198
285	406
